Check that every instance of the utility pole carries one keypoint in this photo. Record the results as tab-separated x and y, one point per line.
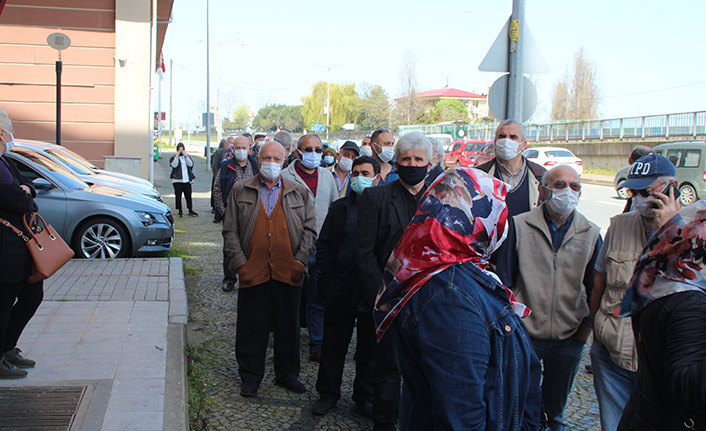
208	97
171	86
514	86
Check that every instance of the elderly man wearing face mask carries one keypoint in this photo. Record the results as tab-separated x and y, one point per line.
510	166
549	264
652	183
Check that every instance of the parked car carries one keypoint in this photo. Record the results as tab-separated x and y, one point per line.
690	160
462	153
553	156
88	172
97	221
444	138
486	154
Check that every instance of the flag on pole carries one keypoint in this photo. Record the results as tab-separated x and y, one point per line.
2	5
161	69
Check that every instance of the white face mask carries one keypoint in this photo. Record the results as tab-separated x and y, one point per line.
345	164
270	170
241	155
563	201
642	204
365	150
386	154
260	143
9	144
506	148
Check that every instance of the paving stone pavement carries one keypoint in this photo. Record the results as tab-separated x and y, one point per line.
212	317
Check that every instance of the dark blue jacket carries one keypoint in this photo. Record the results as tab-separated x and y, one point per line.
460	340
228	175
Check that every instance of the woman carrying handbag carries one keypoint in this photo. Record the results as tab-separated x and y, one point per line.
19	299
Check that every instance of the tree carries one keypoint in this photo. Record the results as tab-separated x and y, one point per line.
343	101
373	107
578	97
408	106
272	117
241	118
449	110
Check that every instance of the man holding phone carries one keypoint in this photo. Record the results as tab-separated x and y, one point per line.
652	182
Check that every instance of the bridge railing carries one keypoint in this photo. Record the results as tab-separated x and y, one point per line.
688	125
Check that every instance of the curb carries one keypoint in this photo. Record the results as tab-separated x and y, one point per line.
597	182
176	415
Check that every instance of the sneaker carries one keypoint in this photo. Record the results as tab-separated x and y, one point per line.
9	371
193	213
181	214
249	390
15	357
228	286
323	406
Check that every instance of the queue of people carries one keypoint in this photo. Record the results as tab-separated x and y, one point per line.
472	291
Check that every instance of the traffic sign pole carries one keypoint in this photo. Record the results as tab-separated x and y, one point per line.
514	93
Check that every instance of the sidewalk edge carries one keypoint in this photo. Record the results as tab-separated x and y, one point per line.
175	390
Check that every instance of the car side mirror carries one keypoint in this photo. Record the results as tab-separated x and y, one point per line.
42	184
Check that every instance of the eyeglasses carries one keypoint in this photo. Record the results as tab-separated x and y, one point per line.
311	150
645	193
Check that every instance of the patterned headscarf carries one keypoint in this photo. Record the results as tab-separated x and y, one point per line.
671	262
230	152
462	218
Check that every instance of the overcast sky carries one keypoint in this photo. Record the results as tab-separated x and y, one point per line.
649	54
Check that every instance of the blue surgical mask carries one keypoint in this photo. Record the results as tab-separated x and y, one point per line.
328	160
360	183
311	160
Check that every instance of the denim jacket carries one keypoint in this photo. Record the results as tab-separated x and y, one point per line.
466	358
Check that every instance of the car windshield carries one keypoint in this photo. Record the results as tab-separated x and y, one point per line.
78	158
477	146
63	175
559	153
70	162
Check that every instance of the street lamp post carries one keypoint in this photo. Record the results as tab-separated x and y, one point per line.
328	94
208	93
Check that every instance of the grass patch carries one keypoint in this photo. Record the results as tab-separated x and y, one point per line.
190	270
200	402
178	251
600	171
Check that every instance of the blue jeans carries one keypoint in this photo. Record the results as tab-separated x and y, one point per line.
467	362
613	386
314	307
560	363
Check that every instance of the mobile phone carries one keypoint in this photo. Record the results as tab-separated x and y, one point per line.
666	192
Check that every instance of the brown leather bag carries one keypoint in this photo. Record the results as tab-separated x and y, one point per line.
49	252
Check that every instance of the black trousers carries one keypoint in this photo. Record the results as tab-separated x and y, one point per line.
18	303
387	379
339	320
180	188
271	305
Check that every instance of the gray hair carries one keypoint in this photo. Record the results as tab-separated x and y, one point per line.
301	139
413	141
522	128
284	138
5	122
438	147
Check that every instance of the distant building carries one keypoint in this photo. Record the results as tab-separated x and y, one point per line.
476	104
106	73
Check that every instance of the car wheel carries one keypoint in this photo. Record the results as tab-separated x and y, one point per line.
622	191
101	238
687	194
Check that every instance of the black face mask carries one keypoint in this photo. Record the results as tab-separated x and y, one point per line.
412	175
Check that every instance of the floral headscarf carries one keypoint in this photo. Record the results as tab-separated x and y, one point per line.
230	152
462	218
672	261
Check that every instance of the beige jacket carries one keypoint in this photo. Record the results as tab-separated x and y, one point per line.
549	283
241	215
626	239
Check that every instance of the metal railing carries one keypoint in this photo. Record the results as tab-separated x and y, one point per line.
685	124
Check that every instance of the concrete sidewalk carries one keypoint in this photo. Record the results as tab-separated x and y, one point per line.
117	328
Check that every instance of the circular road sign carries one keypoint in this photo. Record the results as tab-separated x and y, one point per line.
497	98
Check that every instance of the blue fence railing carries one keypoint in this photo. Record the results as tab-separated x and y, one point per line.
685	124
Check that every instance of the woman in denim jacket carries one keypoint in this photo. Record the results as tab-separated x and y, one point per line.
466	360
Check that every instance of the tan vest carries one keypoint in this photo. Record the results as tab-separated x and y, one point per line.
270	251
549	283
627	240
